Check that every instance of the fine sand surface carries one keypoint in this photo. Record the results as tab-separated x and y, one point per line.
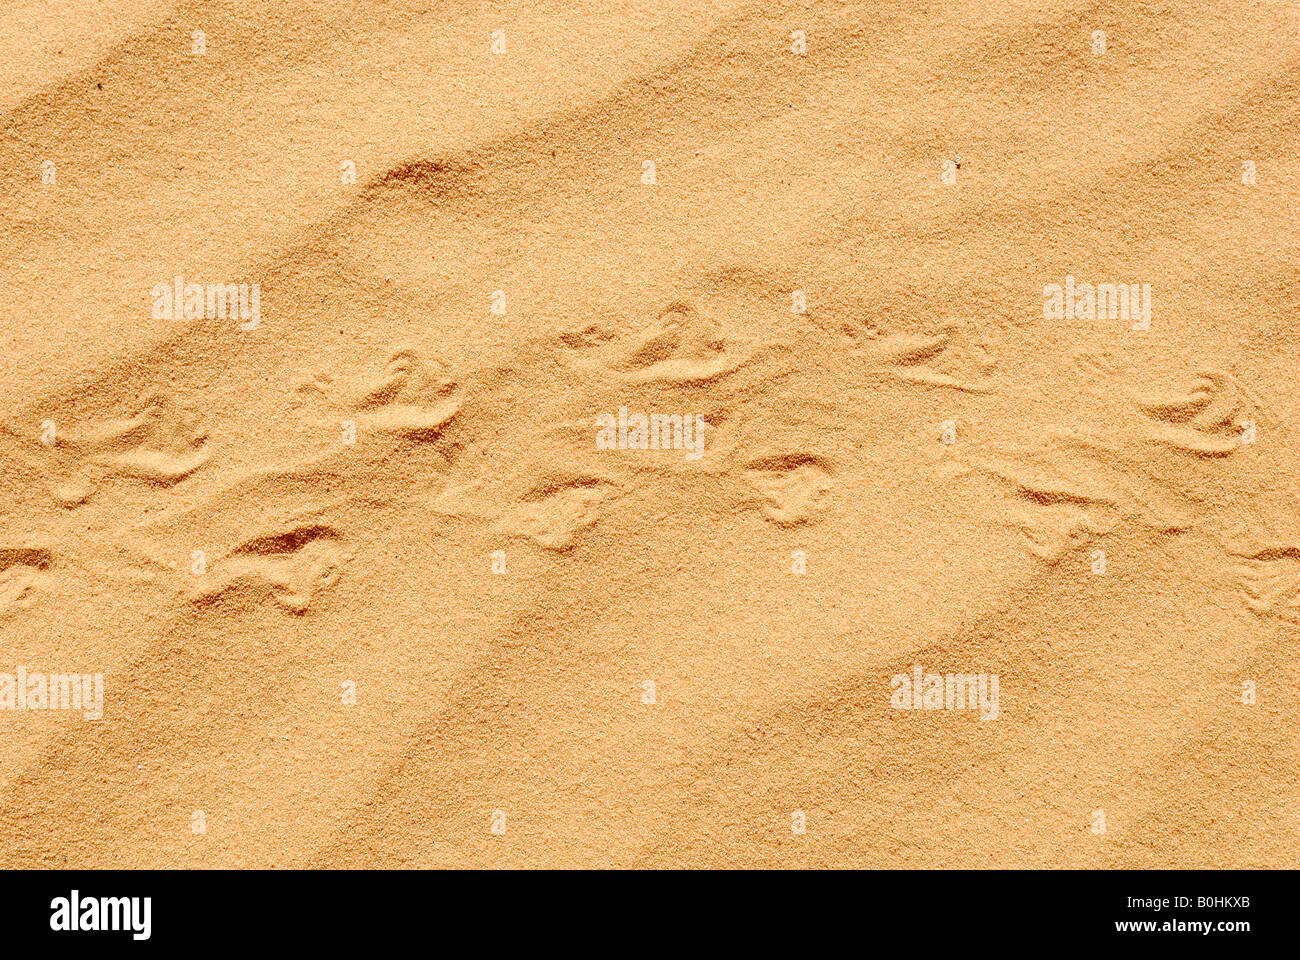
364	588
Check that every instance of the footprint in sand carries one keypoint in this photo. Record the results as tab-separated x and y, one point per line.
554	512
1097	364
160	443
1269	580
791	488
946	359
681	347
289	568
1207	421
21	570
1067	488
1054	531
412	397
548	490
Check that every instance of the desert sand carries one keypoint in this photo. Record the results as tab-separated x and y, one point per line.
381	570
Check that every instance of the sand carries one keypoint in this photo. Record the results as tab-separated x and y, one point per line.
383	570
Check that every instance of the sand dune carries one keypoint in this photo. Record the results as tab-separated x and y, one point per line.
366	585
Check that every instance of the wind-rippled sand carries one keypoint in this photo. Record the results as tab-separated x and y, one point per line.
365	589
